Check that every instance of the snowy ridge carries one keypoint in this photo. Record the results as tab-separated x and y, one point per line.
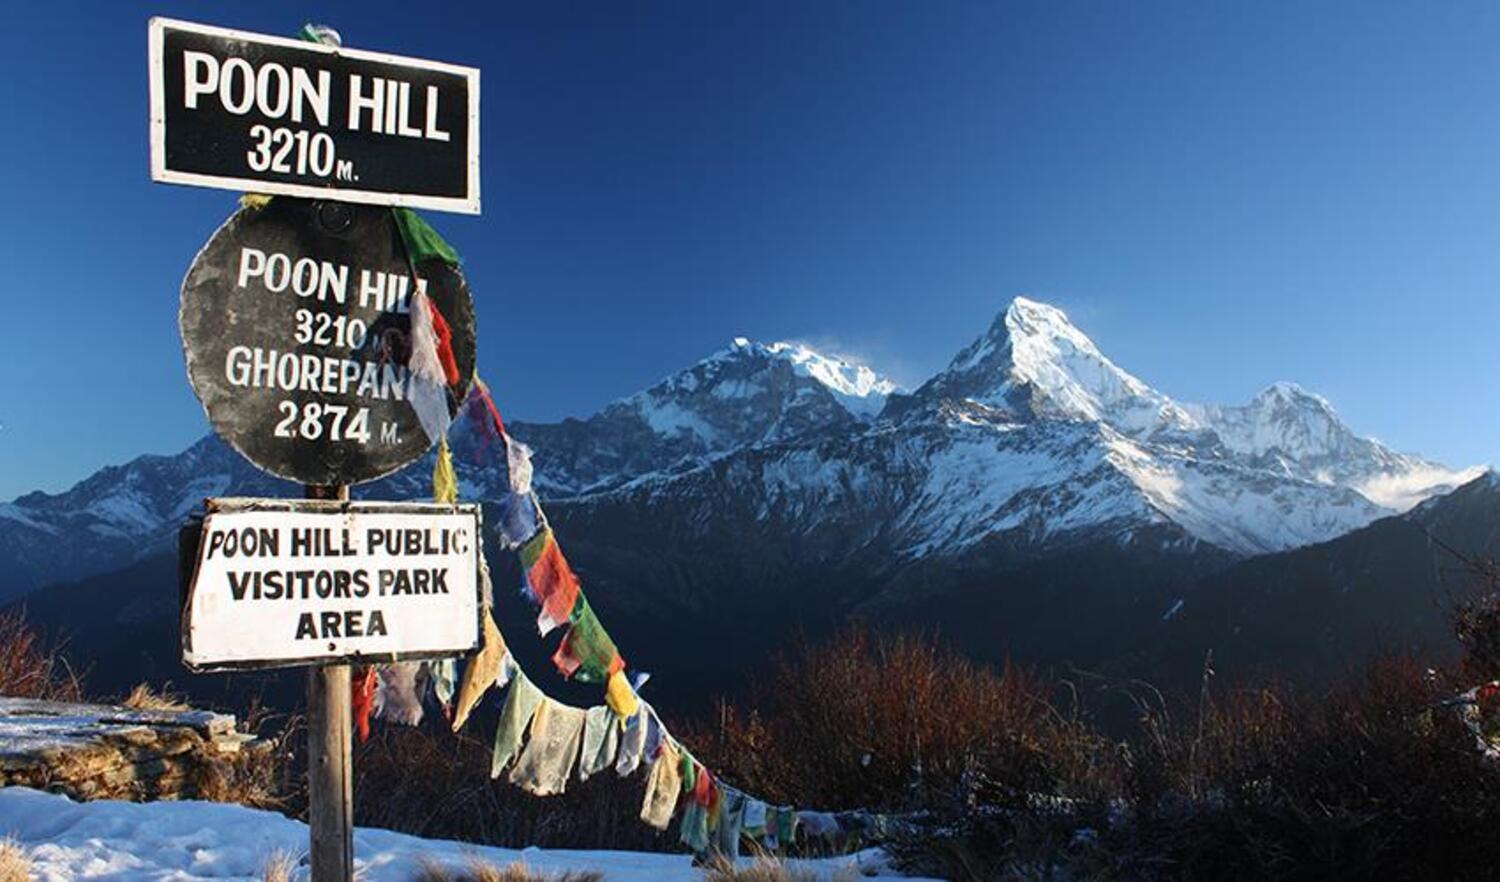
701	400
118	515
862	391
745	395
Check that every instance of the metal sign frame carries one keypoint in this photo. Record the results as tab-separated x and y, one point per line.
237	505
160	172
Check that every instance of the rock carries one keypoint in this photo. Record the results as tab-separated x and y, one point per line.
89	751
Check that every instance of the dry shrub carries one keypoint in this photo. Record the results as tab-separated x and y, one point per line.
1476	624
15	864
1192	749
480	870
143	697
894	724
768	869
29	667
1372	778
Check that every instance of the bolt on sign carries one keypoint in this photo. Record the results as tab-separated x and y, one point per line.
297	325
278	583
266	114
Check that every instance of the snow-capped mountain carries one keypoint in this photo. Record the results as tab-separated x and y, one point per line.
1031	440
1034	363
747	395
1278	472
1288	429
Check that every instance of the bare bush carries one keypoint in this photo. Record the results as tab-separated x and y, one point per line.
29	667
896	723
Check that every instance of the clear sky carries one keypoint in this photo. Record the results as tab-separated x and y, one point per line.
1222	194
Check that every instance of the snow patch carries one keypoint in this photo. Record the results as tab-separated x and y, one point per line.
186	841
126	511
668	417
12	512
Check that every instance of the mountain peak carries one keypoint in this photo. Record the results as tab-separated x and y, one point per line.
1286	393
1032	318
856	386
1023	320
752	391
1035	363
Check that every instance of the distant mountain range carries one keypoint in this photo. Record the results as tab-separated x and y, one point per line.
1033	498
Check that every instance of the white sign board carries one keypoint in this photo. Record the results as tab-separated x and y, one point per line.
291	582
267	114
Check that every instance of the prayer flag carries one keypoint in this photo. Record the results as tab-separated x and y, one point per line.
553	585
587	653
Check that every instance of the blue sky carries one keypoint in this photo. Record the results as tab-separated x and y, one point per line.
1221	194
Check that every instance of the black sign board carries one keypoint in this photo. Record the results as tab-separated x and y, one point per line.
267	114
297	325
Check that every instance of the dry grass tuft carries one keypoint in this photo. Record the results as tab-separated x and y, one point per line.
480	870
15	865
278	867
145	698
768	869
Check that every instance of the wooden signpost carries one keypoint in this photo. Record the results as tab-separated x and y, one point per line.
299	323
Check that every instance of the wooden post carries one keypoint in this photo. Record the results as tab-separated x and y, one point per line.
330	742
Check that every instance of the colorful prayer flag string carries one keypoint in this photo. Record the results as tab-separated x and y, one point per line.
558	733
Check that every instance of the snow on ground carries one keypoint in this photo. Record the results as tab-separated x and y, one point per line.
184	841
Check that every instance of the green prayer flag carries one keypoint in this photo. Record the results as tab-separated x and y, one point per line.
587	653
421	240
688	772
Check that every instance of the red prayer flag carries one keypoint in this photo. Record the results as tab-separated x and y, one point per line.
703	788
553	583
362	702
444	334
